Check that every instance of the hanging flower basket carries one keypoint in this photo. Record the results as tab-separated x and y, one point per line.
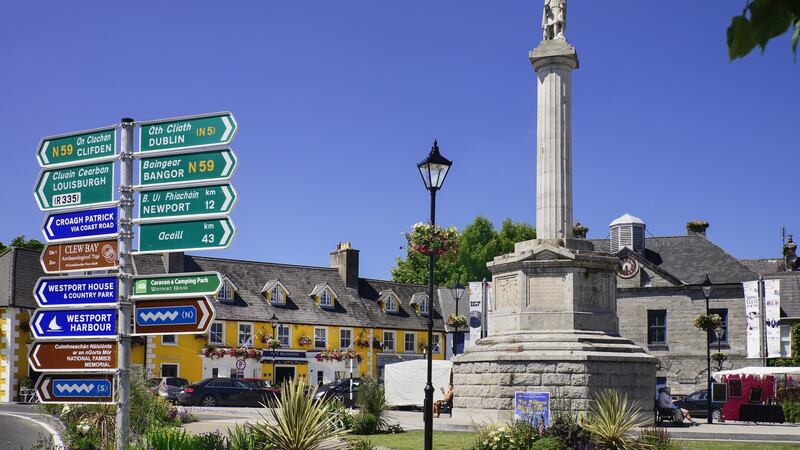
707	322
454	321
273	344
430	240
363	343
718	357
376	344
423	348
333	355
304	340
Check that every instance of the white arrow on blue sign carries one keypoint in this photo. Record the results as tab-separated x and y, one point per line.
74	324
93	223
99	290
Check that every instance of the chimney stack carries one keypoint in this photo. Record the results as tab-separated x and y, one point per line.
696	228
345	259
790	255
173	262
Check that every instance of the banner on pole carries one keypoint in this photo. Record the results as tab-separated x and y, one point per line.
753	319
475	319
772	316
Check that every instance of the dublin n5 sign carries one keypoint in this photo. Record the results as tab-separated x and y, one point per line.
75	186
183	236
83	146
187	132
215	165
186	202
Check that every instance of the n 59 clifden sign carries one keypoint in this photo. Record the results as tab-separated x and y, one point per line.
82	146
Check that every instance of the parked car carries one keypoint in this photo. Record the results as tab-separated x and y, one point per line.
271	393
697	405
221	392
339	389
168	387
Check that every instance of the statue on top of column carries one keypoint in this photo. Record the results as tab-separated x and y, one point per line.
554	20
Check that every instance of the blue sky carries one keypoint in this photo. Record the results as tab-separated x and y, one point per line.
337	102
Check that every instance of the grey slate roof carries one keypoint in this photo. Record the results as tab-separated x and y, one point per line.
790	293
690	258
447	304
764	266
353	308
16	289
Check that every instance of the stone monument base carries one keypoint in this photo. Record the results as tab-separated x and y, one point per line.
573	366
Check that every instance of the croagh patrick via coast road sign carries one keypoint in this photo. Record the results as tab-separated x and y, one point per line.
75	186
187	132
94	223
81	146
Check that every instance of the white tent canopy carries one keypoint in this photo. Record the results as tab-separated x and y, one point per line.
405	381
758	372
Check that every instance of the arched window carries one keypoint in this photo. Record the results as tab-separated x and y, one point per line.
276	295
391	304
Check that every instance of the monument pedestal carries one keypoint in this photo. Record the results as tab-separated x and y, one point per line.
554	329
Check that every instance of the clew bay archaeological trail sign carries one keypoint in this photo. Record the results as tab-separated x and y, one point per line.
70	187
89	356
80	256
186	202
176	285
81	146
187	132
183	236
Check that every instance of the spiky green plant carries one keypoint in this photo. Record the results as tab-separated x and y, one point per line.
372	399
298	422
611	421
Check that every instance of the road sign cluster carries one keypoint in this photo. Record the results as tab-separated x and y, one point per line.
184	199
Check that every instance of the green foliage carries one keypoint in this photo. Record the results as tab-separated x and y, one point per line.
480	243
366	423
565	427
21	242
760	21
343	420
297	422
791	410
163	438
549	443
657	439
241	437
372	399
361	444
611	421
516	435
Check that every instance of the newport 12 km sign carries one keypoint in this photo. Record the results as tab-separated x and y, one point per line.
186	202
187	132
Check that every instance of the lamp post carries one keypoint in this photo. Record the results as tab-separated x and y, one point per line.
274	322
706	287
719	332
434	170
456	291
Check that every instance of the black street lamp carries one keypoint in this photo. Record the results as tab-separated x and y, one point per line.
274	322
707	287
456	291
434	170
719	332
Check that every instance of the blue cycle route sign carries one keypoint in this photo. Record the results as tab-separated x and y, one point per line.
67	387
92	223
172	315
72	324
533	407
76	291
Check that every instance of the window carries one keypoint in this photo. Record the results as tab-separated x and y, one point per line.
657	327
735	388
410	343
724	314
169	370
391	304
320	377
321	338
226	292
325	298
217	333
245	335
423	306
388	341
437	341
345	337
786	341
285	335
169	339
276	295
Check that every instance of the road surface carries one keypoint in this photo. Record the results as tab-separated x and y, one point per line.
21	426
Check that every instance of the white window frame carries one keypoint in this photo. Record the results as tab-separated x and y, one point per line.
786	341
174	343
326	294
277	295
413	342
239	342
349	330
210	333
325	329
437	343
177	368
423	306
393	341
226	292
278	332
391	304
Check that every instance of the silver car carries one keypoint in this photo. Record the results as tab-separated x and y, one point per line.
170	387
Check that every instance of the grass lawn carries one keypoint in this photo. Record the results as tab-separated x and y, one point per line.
455	440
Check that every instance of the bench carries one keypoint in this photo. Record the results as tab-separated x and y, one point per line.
446	408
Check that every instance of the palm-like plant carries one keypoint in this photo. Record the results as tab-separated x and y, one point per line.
298	422
611	421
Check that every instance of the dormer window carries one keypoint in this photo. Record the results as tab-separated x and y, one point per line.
420	302
388	299
324	296
227	291
391	305
275	292
276	295
423	306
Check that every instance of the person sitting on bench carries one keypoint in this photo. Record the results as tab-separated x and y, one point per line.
665	402
448	400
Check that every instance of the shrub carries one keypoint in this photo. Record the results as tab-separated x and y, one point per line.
297	422
395	429
209	441
792	411
565	427
372	399
611	421
241	437
516	435
361	444
164	438
366	423
549	443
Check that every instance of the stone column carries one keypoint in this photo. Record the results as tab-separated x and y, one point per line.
553	61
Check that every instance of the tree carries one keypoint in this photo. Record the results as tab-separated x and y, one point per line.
762	20
21	242
480	243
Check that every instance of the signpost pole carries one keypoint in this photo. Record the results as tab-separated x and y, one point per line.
125	280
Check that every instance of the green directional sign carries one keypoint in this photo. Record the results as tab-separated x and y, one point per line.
81	146
75	186
186	202
215	165
177	285
187	132
183	236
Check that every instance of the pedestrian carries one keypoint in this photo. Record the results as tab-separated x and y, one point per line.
665	402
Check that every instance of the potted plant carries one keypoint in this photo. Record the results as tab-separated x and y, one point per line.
304	340
454	321
707	322
428	239
579	231
719	357
253	354
273	344
376	344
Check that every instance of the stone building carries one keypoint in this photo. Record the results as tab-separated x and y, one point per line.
658	298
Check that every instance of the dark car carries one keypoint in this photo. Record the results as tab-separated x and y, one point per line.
271	392
697	405
221	392
339	389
